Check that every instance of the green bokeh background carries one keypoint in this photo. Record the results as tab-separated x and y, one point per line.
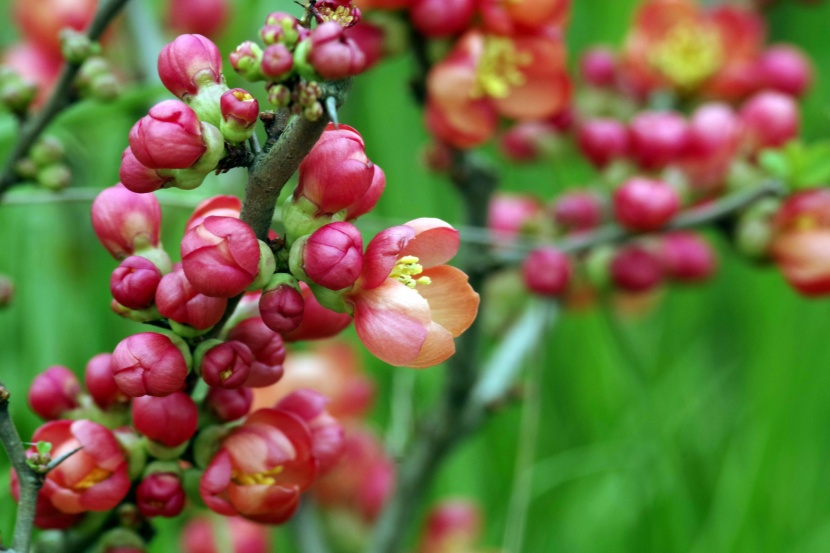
701	427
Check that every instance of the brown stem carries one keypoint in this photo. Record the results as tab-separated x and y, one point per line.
60	99
30	481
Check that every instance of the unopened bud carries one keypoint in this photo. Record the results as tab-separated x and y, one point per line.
281	305
247	61
77	47
55	177
240	112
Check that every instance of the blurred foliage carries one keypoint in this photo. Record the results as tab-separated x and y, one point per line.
699	426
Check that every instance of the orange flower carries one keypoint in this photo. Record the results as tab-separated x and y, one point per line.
407	305
801	246
677	45
520	77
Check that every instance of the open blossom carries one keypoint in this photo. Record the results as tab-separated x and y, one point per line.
801	245
690	49
91	479
407	305
486	76
261	468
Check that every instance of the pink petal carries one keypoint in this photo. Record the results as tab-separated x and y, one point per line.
435	242
437	348
382	253
453	303
391	321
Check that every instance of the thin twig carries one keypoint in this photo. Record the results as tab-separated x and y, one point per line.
29	480
60	99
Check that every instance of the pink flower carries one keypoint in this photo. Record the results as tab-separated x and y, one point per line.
169	420
333	255
91	479
645	204
281	306
240	113
261	468
267	348
53	392
100	382
125	221
160	494
179	301
326	432
801	245
333	54
220	257
224	206
407	305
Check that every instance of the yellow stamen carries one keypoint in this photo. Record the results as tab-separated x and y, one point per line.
499	68
242	96
341	14
266	477
406	268
95	476
688	55
805	222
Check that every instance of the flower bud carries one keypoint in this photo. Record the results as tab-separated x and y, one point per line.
279	95
786	69
76	47
47	151
133	283
333	255
282	28
170	420
247	61
770	119
373	40
603	141
657	138
240	112
635	269
318	322
326	432
224	364
229	404
54	392
221	256
224	206
528	141
54	177
100	383
578	211
189	63
686	257
598	67
333	55
169	137
336	174
139	178
441	18
177	300
643	204
150	364
125	221
452	524
267	347
281	304
277	62
547	272
6	291
509	214
160	494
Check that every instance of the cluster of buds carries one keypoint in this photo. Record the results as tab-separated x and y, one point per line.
96	80
45	164
180	141
295	59
16	93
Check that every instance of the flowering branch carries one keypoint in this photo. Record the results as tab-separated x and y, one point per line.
30	481
60	99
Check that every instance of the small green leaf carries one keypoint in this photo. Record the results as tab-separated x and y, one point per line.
776	163
43	448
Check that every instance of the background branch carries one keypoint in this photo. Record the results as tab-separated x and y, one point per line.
60	99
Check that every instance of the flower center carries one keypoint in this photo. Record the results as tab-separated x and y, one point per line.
267	478
406	268
341	14
688	55
499	68
94	476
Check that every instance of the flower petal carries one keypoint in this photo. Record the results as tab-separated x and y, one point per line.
435	242
382	253
453	303
391	320
437	348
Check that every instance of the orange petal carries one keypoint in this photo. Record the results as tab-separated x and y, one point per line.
437	348
435	241
452	301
